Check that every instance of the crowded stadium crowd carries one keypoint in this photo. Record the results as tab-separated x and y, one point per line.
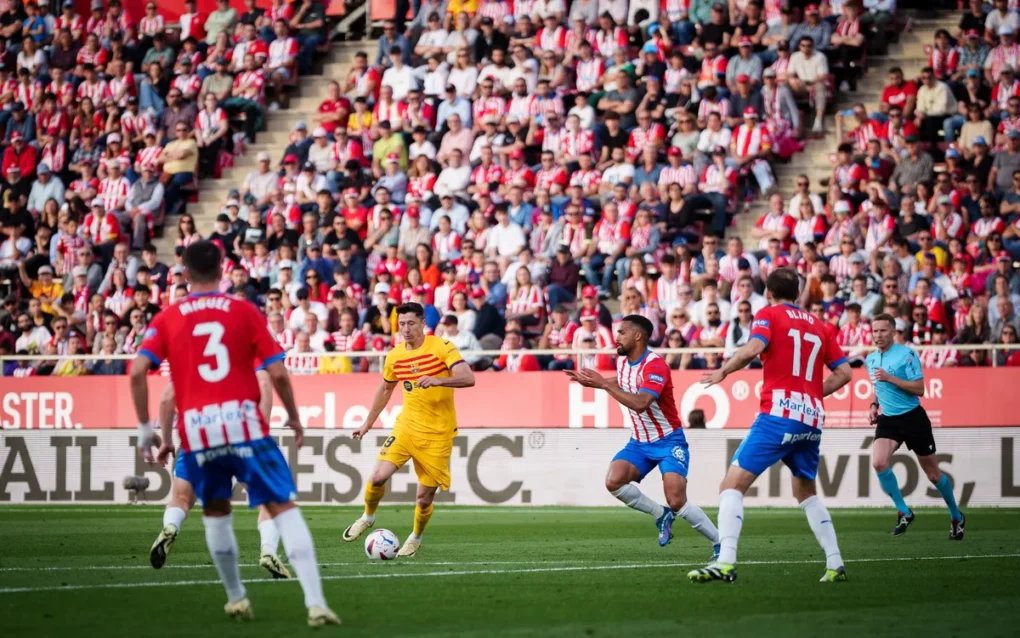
516	167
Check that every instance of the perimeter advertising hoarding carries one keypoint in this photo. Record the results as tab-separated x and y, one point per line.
516	467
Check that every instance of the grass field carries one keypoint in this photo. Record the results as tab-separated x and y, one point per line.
83	572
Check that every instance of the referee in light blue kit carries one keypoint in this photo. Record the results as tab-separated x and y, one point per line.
899	418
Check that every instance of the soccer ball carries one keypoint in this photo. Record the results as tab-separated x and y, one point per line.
382	544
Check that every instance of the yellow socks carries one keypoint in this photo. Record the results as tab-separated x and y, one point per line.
421	519
373	495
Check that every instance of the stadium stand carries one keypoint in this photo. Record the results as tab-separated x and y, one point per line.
520	168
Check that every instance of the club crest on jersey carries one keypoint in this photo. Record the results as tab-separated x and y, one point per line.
414	368
408	386
680	455
149	334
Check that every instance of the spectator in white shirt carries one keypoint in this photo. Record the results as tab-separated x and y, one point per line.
454	179
316	335
465	340
709	295
305	307
399	77
457	212
807	73
506	238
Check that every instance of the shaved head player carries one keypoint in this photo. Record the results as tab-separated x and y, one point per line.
644	386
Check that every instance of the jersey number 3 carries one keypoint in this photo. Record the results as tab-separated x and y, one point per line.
816	345
214	348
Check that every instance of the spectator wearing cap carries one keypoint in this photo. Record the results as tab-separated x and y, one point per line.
490	326
20	153
745	96
21	121
813	27
1006	162
752	148
45	188
260	183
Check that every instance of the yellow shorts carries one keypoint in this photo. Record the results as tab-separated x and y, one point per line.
431	458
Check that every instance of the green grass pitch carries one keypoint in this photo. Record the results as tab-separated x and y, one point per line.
83	572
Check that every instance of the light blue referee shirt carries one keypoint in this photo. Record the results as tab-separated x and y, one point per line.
899	361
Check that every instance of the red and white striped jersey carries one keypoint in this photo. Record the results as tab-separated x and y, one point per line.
588	72
484	107
122	88
525	300
849	176
72	24
859	335
445	243
485	175
944	62
354	342
392	112
101	228
576	143
114	192
206	123
1001	56
96	24
640	138
848	28
986	226
675	9
1001	93
281	11
29	94
96	92
797	346
608	42
839	267
521	106
523	8
608	234
937	358
521	176
64	91
586	179
954	228
189	85
750	140
55	155
772	222
877	229
151	26
282	53
650	374
716	180
98	57
67	248
149	155
554	40
134	125
494	10
285	338
683	175
667	293
711	70
546	178
253	83
706	108
870	130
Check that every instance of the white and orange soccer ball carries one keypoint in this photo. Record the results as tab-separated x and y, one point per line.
382	544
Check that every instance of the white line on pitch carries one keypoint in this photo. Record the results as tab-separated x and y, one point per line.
103	568
478	572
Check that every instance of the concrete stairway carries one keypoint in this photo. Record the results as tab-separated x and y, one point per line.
813	161
305	100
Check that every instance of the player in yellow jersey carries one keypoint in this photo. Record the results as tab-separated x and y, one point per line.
428	369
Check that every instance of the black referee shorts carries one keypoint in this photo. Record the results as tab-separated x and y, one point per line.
912	428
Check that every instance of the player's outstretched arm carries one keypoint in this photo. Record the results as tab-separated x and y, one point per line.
382	397
743	356
637	401
839	378
281	383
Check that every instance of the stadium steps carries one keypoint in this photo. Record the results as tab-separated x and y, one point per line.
304	101
814	161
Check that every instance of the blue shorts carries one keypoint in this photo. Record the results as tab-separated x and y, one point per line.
773	439
258	464
180	469
669	454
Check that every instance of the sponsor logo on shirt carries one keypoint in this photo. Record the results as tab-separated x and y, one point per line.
760	323
656	378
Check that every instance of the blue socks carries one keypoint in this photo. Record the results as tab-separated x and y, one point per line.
946	490
890	486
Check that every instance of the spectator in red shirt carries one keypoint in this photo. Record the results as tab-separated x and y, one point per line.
20	154
898	92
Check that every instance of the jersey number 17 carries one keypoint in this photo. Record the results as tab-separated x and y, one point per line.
799	339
